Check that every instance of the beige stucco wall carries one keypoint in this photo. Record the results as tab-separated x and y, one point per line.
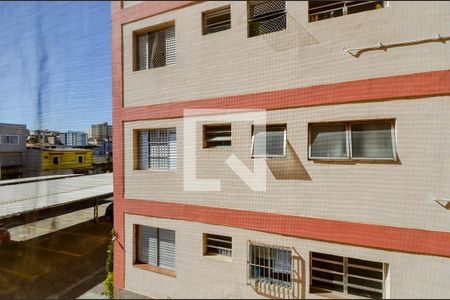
393	194
198	276
229	63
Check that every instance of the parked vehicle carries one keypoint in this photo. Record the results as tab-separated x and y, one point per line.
109	212
5	237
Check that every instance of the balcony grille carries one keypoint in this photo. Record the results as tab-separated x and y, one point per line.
320	10
266	17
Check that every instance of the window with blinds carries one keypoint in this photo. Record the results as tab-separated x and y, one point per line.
216	135
266	17
320	10
217	244
155	247
347	275
270	264
216	20
269	141
158	149
371	140
9	139
155	49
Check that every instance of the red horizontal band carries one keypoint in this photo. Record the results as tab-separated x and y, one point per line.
357	234
377	89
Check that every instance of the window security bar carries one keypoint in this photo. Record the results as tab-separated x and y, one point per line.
330	7
356	52
270	265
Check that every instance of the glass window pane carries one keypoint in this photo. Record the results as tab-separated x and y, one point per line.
268	142
328	141
372	140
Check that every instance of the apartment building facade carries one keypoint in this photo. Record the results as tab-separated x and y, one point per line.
281	149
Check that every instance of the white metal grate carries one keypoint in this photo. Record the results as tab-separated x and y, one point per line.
155	49
266	17
158	149
270	264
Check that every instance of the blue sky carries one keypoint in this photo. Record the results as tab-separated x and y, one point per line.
55	64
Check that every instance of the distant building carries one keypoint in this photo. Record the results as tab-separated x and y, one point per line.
13	138
41	162
100	132
74	138
43	136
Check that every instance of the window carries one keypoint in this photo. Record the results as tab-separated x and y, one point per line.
155	247
269	141
80	159
9	139
56	160
155	49
347	275
217	244
158	149
216	20
320	10
353	141
266	17
270	264
216	135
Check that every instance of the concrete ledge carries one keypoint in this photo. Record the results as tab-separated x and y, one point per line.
125	294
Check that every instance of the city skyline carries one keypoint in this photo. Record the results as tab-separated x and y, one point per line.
56	64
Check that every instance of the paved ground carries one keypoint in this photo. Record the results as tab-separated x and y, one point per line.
55	258
95	293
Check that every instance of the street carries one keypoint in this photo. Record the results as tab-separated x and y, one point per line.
58	257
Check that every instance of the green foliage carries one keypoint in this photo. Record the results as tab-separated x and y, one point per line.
110	257
109	282
109	285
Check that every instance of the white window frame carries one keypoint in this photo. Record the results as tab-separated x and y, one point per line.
348	143
265	155
83	159
345	275
8	136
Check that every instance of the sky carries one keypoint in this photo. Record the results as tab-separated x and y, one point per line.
55	64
